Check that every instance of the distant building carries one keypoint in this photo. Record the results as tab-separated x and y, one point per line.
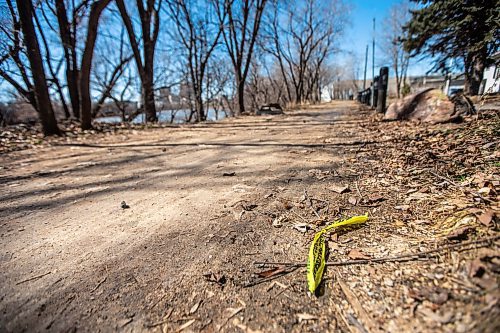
491	77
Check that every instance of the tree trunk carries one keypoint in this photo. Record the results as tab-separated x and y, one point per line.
70	57
148	99
199	106
88	53
45	111
74	94
398	86
477	74
241	96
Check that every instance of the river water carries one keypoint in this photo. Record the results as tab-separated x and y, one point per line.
166	116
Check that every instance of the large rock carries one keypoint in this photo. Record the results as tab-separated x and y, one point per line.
429	105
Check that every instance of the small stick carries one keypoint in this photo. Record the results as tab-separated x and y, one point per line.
357	189
101	282
356	305
449	181
254	283
315	212
309	201
404	257
298	215
32	278
341	315
356	323
164	321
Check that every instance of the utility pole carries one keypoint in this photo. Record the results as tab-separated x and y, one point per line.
373	51
373	64
366	64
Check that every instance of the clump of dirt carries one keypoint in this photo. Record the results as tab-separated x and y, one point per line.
430	106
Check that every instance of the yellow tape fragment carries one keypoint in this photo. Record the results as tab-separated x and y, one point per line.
317	251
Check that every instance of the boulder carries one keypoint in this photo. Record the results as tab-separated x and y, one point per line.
431	106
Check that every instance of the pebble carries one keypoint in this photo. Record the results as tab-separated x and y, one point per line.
389	282
461	328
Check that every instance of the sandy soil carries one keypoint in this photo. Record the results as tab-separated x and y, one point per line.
72	259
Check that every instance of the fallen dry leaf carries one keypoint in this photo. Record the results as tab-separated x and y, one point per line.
485	191
305	316
352	200
271	272
402	207
399	223
195	307
435	295
460	233
486	217
476	268
234	311
339	188
356	254
302	227
186	325
445	318
244	328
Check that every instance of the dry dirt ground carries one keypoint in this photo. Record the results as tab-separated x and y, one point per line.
208	201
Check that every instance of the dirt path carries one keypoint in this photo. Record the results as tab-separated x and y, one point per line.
73	260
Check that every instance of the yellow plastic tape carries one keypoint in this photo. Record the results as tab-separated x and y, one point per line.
317	251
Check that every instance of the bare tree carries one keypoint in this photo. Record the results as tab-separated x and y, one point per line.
78	77
95	12
54	72
109	68
44	105
241	31
150	27
198	33
67	33
302	35
392	41
14	67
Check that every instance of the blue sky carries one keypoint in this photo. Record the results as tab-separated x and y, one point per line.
360	34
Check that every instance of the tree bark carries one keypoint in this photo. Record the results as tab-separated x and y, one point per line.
45	111
241	96
200	108
88	53
149	100
146	67
475	76
69	47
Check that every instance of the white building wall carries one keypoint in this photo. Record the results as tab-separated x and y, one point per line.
491	75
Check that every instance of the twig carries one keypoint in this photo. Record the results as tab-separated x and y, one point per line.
99	284
309	201
400	258
299	216
356	305
341	315
254	283
32	278
357	189
164	321
315	212
449	181
157	302
356	323
321	200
